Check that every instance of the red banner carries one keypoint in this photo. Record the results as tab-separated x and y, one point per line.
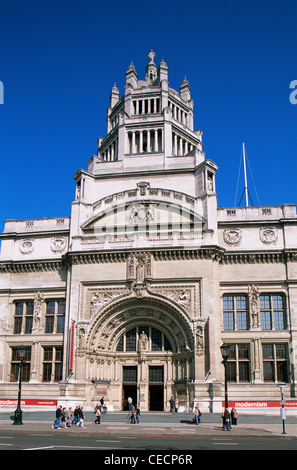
71	352
25	402
260	404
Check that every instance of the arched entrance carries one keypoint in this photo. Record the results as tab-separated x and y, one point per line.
142	347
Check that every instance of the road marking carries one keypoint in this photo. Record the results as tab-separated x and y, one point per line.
103	441
225	443
118	427
39	448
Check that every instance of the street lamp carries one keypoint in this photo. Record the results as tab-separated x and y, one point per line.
22	352
225	355
283	410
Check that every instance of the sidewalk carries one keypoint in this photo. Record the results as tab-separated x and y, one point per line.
159	425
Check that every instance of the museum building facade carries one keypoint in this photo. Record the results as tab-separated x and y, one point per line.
135	292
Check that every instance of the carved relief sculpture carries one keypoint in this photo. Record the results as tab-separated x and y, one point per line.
232	236
37	312
26	247
268	235
254	306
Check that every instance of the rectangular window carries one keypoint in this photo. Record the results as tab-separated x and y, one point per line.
130	374
18	319
238	365
29	317
52	364
235	312
61	316
275	362
156	340
50	317
15	366
55	316
131	340
272	312
156	374
23	318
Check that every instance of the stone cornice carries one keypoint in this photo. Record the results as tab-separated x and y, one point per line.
30	266
260	257
213	253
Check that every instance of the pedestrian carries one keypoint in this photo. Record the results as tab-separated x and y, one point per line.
133	414
57	422
196	416
171	403
137	414
176	405
102	404
63	417
226	420
81	417
234	416
68	417
129	403
75	415
98	416
78	414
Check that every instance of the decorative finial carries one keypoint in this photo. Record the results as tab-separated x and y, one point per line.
151	56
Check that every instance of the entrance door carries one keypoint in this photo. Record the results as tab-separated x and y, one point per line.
156	397
129	386
156	388
129	390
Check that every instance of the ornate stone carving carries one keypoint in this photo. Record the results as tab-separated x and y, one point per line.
186	296
143	342
139	267
37	312
26	246
141	213
268	235
232	236
200	337
102	297
58	244
254	306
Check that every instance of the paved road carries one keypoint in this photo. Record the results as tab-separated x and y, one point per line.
143	445
156	432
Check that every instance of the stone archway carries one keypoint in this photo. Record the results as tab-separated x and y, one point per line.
105	361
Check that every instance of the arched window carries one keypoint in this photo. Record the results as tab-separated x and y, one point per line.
157	341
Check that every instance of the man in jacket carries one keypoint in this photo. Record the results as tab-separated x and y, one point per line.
57	423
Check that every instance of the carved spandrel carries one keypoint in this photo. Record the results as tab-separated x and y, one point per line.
185	296
99	298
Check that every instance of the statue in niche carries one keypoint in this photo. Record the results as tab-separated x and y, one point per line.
37	311
143	342
81	338
254	304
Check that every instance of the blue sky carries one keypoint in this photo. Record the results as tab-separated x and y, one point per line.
60	59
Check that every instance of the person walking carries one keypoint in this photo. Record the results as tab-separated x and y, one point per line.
102	404
129	401
63	417
57	422
81	417
234	416
75	415
171	403
68	417
226	420
137	414
133	414
176	405
98	416
196	421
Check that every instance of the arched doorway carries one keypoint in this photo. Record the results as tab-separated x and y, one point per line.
142	347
